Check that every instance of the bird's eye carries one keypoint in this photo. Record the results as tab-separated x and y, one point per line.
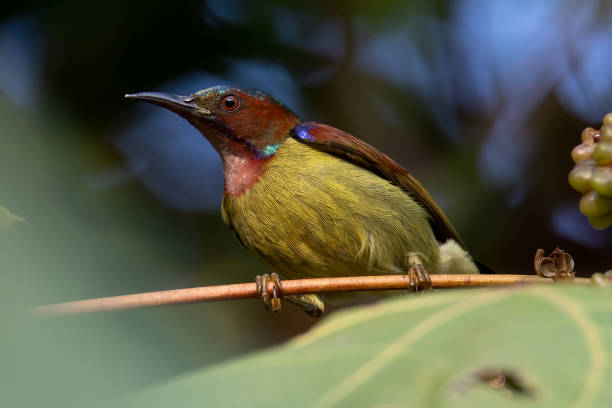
230	103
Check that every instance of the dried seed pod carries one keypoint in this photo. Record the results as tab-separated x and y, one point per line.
559	265
603	153
580	177
607	120
583	151
593	204
601	222
601	180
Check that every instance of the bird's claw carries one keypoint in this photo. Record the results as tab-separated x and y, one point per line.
419	278
271	302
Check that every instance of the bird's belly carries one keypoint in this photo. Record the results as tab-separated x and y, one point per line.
339	220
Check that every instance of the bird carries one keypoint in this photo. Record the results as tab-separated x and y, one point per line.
310	200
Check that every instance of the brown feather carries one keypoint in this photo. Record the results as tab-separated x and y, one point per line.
340	143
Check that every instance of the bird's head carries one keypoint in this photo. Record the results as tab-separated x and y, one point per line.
245	126
235	120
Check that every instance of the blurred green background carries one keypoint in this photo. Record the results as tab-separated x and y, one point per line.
481	100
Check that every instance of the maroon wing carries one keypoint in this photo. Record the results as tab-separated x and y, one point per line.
335	141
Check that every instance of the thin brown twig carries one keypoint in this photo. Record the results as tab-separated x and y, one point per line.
289	287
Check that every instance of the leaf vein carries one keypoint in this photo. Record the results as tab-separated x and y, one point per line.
368	370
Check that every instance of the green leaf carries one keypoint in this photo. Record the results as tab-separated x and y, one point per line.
7	219
551	344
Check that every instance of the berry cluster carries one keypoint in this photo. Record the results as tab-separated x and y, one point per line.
592	174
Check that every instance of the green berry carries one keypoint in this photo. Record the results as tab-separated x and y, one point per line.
605	133
587	134
592	204
580	176
601	180
601	222
583	151
603	153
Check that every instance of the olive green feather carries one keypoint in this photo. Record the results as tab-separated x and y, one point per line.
314	214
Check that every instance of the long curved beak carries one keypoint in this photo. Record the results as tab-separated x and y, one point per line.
181	105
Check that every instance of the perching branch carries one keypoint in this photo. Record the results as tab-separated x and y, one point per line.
289	287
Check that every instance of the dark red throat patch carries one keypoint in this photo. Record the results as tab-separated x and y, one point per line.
241	172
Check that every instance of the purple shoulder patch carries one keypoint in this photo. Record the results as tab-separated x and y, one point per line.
301	132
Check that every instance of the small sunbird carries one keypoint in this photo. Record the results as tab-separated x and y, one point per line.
313	201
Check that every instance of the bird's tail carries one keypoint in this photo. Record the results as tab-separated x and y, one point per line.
455	259
484	269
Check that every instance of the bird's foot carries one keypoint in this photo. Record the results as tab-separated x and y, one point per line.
418	277
311	304
271	302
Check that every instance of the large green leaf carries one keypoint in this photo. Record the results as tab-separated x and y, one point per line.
7	219
81	240
551	343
